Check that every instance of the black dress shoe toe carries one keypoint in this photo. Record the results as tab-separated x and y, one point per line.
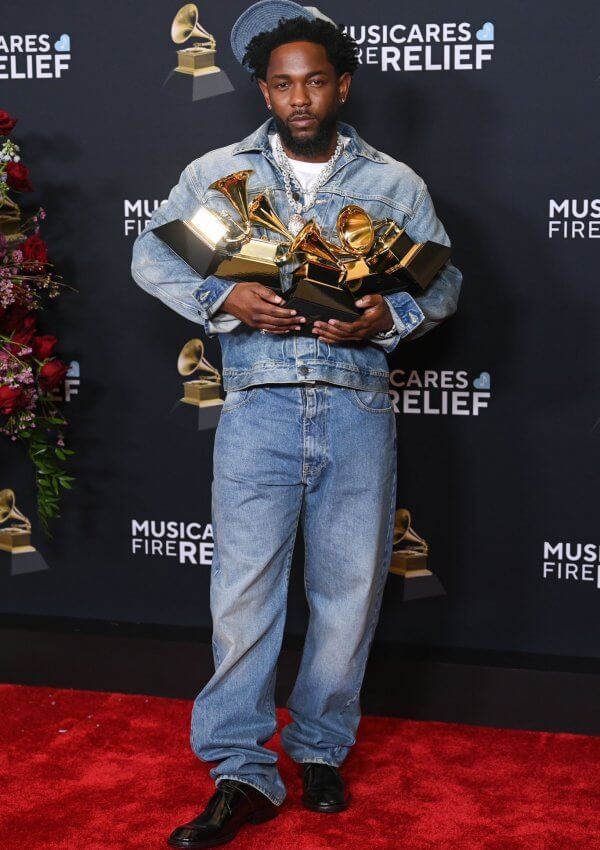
324	789
231	806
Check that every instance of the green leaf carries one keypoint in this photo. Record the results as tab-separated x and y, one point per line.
59	453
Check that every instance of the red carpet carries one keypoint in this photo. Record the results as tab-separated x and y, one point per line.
80	769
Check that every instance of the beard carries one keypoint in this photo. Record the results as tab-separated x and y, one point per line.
315	145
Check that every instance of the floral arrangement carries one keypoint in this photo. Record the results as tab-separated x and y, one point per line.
30	374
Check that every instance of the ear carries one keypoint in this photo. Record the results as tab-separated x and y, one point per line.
344	86
265	91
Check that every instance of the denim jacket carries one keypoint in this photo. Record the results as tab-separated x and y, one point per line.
383	186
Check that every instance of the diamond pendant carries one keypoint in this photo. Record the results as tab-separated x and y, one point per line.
295	224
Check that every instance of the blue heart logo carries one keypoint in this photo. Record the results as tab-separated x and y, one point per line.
63	45
486	33
483	382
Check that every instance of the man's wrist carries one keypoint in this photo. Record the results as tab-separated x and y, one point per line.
386	334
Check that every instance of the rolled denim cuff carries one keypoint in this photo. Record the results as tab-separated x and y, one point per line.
210	291
223	322
407	316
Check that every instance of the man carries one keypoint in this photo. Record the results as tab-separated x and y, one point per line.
307	434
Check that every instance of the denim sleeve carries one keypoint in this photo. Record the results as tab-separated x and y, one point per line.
416	315
160	272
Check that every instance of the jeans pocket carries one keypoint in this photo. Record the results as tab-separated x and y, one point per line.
378	401
237	398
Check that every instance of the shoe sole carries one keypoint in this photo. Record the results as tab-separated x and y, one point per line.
338	807
256	819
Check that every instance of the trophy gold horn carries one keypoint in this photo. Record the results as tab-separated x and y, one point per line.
311	243
234	187
185	25
191	359
9	511
386	233
355	230
263	214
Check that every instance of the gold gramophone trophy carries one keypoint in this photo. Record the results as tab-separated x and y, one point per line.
196	76
318	290
15	538
409	560
213	242
381	256
203	393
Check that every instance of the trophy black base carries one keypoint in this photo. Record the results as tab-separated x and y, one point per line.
193	417
198	87
20	563
318	301
182	241
384	284
422	584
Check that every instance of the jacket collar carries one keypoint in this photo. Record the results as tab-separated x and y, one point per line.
259	141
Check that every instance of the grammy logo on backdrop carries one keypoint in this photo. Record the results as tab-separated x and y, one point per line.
409	560
202	393
196	76
15	538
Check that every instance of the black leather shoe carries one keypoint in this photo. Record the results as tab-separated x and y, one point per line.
324	789
231	806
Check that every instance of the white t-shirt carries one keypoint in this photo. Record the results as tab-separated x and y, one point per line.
306	173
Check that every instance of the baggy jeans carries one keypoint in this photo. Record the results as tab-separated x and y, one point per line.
324	456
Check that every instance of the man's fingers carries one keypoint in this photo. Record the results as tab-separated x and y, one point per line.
330	332
341	328
277	329
371	300
329	338
267	294
263	319
284	312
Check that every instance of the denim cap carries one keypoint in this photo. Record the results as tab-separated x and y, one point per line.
264	16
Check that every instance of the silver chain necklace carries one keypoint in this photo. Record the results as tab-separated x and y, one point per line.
297	222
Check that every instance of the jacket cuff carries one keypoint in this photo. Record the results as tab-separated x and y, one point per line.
209	291
210	294
406	313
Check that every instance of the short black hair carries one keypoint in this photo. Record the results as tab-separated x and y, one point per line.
342	50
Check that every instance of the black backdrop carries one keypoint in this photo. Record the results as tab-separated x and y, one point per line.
497	146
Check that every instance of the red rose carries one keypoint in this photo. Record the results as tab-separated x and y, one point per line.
18	340
34	249
7	123
52	374
11	399
43	346
19	325
17	177
16	318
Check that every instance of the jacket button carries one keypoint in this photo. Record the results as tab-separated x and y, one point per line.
304	370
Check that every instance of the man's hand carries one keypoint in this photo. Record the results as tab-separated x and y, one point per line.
255	305
376	317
